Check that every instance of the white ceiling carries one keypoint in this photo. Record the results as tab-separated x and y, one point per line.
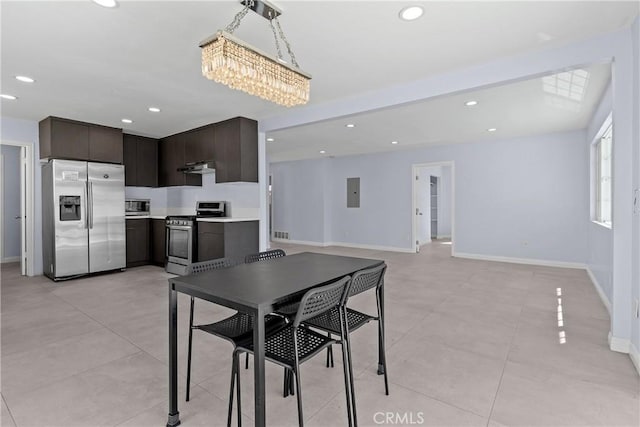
516	109
101	65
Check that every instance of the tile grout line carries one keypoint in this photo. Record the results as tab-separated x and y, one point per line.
506	360
9	411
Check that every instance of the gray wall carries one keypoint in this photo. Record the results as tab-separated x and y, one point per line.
521	198
635	326
10	202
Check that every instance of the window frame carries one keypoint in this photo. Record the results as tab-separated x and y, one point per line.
596	166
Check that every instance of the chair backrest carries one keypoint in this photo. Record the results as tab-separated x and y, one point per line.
366	279
321	299
261	256
214	264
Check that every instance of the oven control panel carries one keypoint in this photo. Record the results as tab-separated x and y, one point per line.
180	221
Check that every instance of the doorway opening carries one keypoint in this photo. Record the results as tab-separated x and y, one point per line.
17	213
433	188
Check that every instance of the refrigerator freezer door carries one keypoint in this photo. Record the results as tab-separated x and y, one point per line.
69	220
107	244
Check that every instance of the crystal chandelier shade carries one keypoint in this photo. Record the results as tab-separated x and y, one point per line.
227	60
238	65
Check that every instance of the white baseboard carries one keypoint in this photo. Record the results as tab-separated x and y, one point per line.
528	261
345	245
372	247
10	259
619	344
601	293
299	242
634	354
444	236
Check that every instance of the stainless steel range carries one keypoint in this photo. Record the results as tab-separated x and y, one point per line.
182	246
182	235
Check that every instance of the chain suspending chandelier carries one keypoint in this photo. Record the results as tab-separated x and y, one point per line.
233	62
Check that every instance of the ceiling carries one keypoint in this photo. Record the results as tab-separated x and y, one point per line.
513	110
101	65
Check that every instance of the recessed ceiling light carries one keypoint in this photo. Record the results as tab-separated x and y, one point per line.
6	96
350	125
394	142
25	79
270	139
128	121
471	103
106	3
492	130
410	13
322	151
154	109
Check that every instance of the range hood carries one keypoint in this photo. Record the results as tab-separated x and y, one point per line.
199	168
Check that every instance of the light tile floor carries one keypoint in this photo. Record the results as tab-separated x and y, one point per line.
468	343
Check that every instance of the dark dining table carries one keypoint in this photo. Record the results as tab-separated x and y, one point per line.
257	289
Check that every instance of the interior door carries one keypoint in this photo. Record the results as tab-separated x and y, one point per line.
23	211
107	235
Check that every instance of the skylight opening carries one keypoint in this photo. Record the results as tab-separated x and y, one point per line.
568	84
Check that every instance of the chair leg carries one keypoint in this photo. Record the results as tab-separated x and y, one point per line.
350	363
285	383
246	361
189	350
238	391
233	380
296	372
381	345
346	369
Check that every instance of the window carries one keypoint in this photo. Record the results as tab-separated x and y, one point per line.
603	177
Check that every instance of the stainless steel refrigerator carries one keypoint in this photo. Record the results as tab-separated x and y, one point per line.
83	224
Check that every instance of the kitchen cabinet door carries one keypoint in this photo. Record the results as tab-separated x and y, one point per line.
105	144
172	157
138	242
236	150
130	160
158	241
63	139
210	241
147	162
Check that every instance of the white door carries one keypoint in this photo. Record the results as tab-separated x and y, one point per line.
23	211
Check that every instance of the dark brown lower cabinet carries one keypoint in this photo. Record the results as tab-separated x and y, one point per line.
138	242
158	241
227	239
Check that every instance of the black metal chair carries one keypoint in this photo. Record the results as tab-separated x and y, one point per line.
234	328
264	256
329	321
293	344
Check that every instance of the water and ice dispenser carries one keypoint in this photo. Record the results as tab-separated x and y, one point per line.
69	208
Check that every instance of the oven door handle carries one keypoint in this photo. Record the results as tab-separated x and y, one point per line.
180	227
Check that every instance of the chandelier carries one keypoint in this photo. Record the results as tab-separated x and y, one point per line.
233	62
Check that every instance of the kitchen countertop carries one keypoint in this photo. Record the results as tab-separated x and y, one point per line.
199	219
227	219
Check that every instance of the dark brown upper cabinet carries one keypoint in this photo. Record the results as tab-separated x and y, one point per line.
140	161
199	144
236	150
172	156
73	140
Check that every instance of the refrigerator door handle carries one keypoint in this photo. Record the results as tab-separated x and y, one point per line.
90	202
86	206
